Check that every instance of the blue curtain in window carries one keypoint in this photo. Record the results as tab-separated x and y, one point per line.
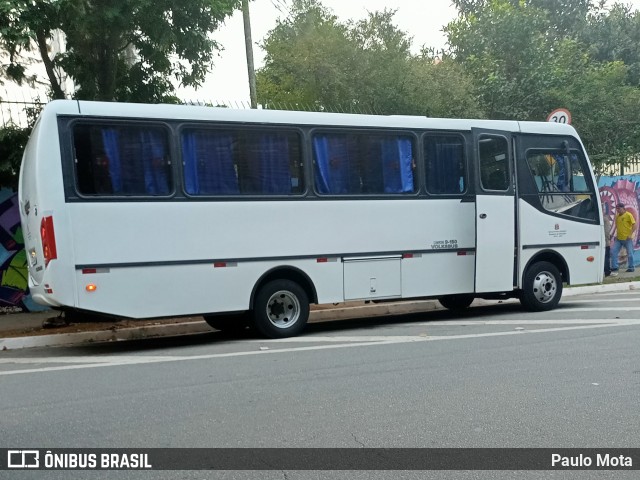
154	163
332	164
131	165
111	144
397	168
208	164
274	172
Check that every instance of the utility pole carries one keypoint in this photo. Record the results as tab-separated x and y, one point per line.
248	44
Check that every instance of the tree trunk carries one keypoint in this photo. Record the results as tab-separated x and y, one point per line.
56	89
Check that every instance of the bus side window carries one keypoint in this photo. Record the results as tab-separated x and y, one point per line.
121	160
445	165
494	163
561	182
363	164
241	162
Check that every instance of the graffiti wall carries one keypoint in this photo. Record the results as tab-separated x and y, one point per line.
14	290
625	190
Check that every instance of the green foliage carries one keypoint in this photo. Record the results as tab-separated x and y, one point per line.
527	57
614	35
308	59
605	112
312	60
119	49
12	142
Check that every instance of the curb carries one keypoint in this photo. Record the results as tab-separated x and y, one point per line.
320	315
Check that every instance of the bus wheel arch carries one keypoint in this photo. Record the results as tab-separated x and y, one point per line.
542	282
280	302
553	258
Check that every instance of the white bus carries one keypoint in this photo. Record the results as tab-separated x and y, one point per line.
250	216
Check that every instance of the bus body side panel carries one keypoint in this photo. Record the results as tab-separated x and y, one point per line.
41	195
197	257
173	290
543	232
448	263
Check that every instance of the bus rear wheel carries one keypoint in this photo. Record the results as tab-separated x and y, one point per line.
281	309
456	302
541	287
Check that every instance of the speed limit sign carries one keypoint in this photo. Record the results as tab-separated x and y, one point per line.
560	115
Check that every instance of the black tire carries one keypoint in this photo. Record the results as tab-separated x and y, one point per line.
233	323
456	302
541	287
281	309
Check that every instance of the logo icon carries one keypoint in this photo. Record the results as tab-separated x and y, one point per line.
23	459
557	226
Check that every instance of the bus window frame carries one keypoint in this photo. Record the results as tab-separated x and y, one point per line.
527	189
418	170
69	165
300	132
510	160
468	164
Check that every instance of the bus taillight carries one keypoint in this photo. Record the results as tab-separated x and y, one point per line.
48	240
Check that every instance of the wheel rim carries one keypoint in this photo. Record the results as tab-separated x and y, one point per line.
544	287
283	309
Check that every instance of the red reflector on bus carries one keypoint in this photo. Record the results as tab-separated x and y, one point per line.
462	254
220	264
407	255
89	270
590	259
322	260
47	235
585	247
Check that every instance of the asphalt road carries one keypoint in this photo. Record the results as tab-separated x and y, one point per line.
493	377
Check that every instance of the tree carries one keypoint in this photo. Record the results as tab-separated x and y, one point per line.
23	24
120	49
604	110
614	35
440	88
314	61
309	60
506	48
528	57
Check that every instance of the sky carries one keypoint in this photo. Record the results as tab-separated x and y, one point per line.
228	82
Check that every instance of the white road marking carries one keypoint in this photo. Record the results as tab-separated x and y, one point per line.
603	309
364	341
601	300
585	321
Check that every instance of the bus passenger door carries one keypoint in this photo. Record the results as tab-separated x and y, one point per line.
495	212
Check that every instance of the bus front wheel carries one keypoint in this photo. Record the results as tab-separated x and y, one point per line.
281	309
541	287
456	302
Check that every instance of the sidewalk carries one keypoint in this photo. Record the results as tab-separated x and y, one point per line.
24	330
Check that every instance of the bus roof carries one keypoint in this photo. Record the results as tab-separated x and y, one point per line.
202	113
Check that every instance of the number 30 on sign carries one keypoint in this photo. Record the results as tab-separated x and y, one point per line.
560	115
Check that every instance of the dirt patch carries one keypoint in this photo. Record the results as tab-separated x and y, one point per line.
77	327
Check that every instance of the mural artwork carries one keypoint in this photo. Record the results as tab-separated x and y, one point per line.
14	289
625	190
